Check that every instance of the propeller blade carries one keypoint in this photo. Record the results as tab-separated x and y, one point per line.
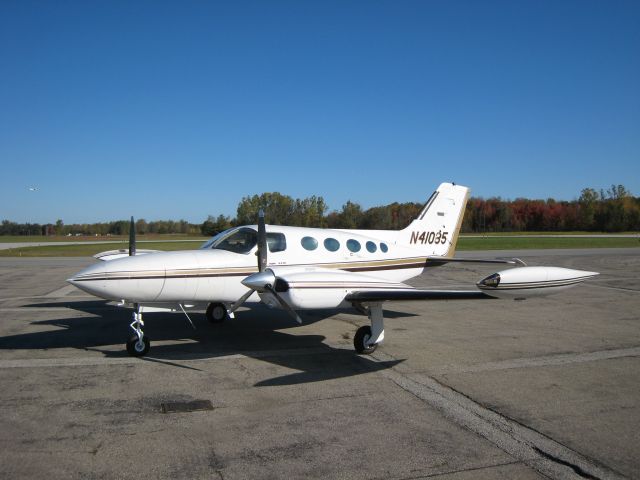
132	238
262	242
284	304
257	281
240	301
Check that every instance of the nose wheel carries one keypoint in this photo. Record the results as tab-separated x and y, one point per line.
138	345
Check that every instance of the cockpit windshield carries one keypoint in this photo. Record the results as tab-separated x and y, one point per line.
240	240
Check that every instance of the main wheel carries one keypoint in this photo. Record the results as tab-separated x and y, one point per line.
362	336
138	348
216	313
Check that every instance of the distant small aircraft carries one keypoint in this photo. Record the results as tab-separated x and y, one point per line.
33	189
308	268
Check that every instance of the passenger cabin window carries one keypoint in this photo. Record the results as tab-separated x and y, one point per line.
276	242
384	248
237	241
353	245
309	243
331	244
371	247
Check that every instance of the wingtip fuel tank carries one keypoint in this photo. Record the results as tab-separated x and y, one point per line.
524	282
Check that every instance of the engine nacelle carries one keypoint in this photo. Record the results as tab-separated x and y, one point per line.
525	282
322	288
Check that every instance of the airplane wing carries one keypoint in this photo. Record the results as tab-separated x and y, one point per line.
437	260
311	288
114	254
121	253
414	294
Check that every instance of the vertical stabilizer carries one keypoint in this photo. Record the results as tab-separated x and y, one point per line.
435	231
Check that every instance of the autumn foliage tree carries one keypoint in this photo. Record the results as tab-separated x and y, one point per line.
615	210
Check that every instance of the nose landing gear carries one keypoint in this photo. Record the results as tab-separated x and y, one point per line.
138	345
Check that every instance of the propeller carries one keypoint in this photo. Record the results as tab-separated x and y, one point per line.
132	238
265	279
262	242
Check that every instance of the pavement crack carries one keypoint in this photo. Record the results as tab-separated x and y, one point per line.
460	470
94	450
573	467
524	444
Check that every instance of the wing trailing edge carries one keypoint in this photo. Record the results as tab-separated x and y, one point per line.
438	260
414	294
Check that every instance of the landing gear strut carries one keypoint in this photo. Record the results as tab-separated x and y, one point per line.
367	338
138	345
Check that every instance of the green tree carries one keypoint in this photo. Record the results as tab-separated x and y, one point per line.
588	203
59	227
349	217
277	208
141	226
212	226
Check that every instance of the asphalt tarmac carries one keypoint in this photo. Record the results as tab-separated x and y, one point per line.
542	388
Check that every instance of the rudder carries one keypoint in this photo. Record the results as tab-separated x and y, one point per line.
435	230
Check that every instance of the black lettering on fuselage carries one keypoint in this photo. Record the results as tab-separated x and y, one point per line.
428	238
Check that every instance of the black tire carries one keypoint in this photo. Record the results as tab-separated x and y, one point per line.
133	347
217	313
363	334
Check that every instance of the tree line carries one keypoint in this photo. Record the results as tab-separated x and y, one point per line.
613	210
117	227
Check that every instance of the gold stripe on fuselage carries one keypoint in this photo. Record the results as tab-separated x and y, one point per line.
377	265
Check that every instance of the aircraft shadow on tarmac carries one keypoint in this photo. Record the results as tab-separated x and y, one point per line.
254	333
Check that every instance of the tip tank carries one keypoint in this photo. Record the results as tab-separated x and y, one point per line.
524	282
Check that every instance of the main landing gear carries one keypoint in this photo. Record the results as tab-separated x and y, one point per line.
138	345
367	338
217	312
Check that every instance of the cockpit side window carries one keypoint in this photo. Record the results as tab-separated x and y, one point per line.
207	245
277	242
238	241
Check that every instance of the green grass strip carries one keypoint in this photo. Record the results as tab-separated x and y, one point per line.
90	249
517	243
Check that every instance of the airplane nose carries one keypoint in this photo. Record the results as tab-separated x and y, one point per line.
134	279
91	280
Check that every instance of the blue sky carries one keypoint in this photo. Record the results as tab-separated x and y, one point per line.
168	110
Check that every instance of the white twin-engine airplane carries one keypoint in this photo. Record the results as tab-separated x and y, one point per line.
309	268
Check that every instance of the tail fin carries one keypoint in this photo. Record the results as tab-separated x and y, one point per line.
435	231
